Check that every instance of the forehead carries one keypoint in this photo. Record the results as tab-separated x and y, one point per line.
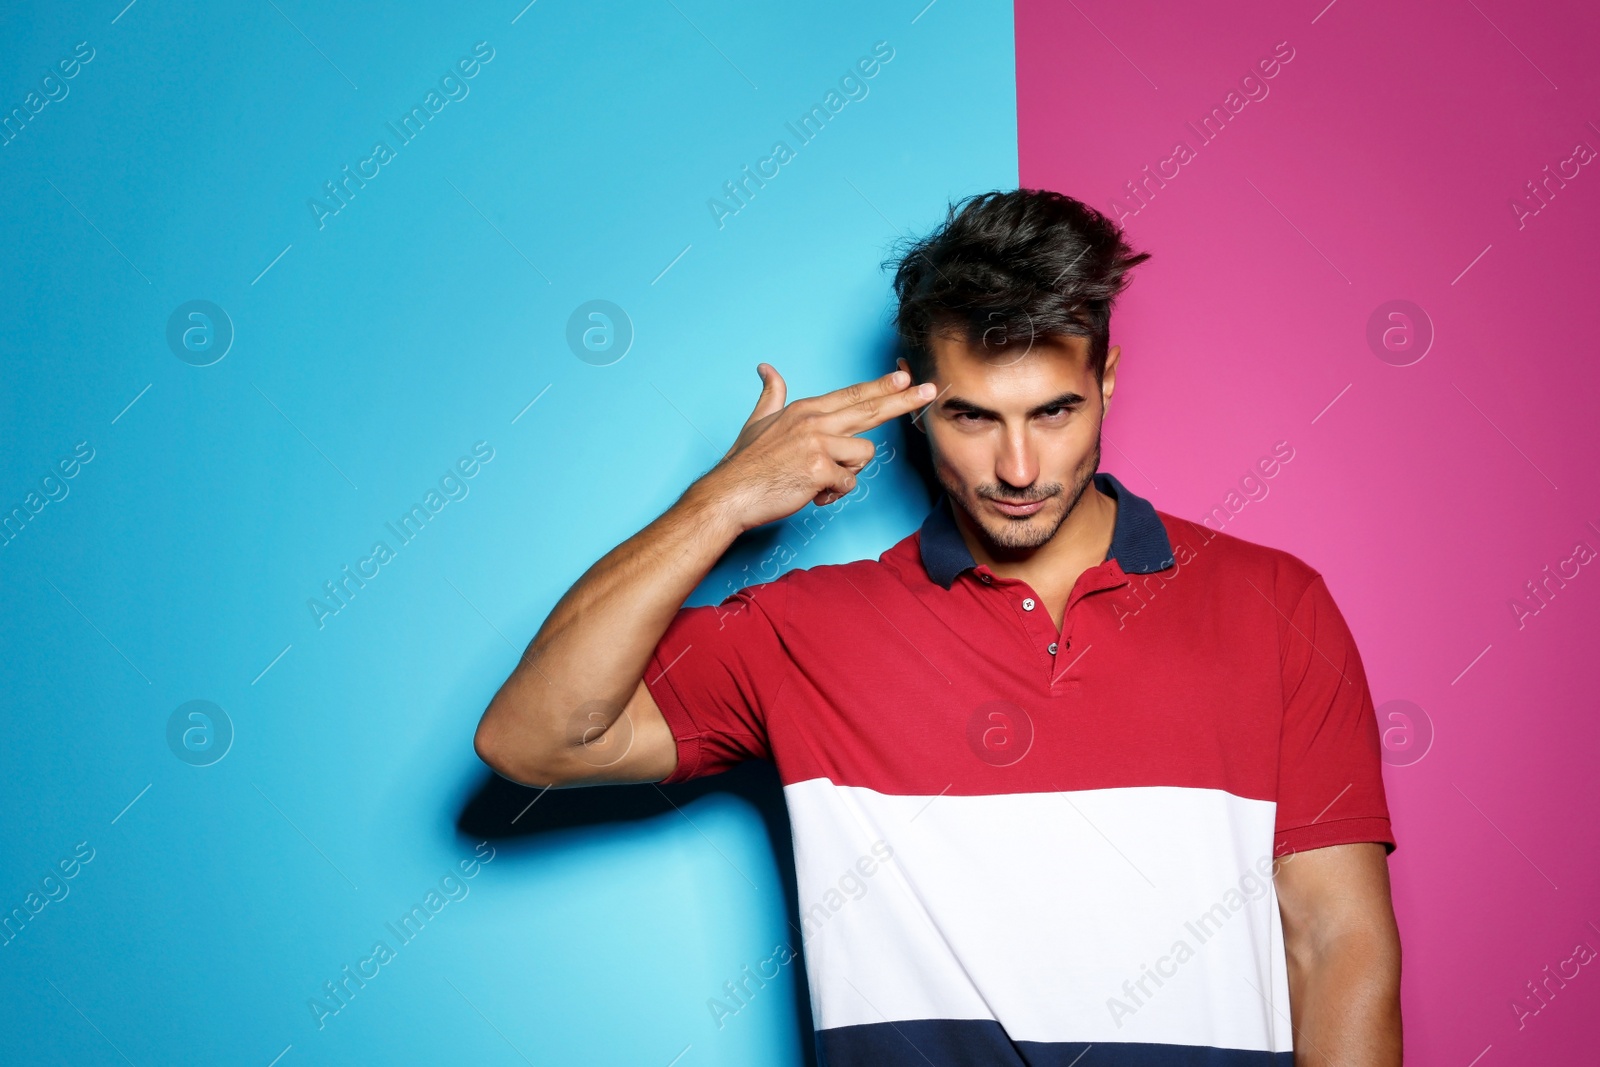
1043	360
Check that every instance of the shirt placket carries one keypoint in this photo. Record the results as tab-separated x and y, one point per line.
1058	651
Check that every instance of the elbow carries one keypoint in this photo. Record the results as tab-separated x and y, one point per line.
516	762
485	744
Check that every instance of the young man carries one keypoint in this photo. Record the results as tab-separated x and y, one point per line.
1064	772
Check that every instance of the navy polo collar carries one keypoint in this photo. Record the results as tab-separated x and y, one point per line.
1139	542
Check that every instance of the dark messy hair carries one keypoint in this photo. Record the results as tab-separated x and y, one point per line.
1007	267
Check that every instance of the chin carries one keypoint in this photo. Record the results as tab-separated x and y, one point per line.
1025	531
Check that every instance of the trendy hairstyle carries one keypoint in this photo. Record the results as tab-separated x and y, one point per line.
1007	267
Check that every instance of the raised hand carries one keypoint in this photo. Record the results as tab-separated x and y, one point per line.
787	454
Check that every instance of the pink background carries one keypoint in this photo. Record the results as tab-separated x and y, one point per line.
1380	166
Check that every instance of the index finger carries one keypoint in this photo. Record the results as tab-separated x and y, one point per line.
856	392
879	407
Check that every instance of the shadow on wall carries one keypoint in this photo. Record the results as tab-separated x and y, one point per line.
493	812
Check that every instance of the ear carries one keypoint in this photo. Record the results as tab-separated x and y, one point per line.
1108	380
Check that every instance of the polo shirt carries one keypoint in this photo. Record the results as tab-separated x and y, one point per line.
1014	843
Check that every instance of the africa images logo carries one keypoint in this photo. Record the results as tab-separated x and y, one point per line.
337	194
339	592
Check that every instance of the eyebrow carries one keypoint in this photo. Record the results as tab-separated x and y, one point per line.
1064	400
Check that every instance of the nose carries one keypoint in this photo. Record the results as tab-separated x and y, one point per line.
1016	465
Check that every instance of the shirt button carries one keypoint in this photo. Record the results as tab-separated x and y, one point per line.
1027	604
1052	648
984	578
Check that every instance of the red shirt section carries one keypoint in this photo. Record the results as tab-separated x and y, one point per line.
1228	668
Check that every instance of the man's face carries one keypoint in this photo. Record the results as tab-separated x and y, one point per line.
1015	433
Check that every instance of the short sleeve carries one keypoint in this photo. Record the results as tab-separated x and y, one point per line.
715	674
1330	764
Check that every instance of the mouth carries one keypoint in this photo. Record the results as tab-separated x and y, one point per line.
1017	509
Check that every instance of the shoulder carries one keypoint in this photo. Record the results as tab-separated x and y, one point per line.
1280	575
902	556
803	591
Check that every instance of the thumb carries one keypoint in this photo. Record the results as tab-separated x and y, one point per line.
774	393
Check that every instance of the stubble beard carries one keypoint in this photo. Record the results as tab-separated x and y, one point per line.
1030	532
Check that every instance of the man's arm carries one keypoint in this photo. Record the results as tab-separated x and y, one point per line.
1343	952
575	710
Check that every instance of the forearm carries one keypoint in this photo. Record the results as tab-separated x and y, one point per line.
585	665
588	657
1345	1002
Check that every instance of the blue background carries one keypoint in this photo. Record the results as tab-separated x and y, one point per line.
369	355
